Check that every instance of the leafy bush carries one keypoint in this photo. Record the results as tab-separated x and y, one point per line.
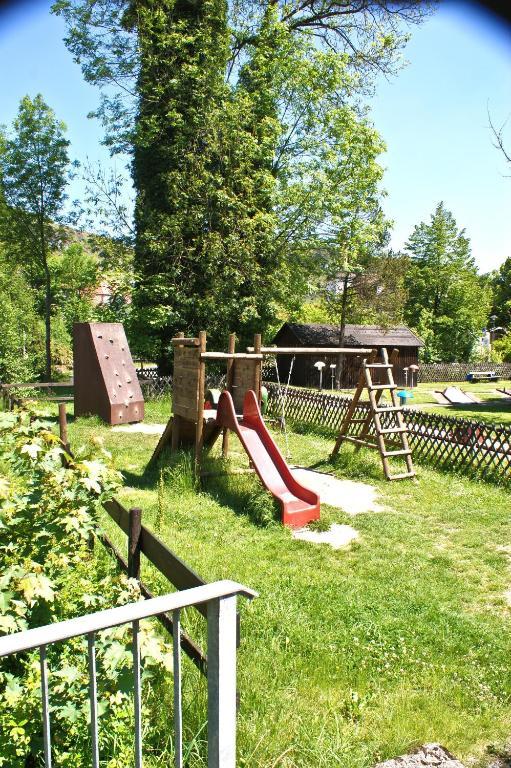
21	331
503	347
48	512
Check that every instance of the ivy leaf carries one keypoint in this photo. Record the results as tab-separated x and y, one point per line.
115	656
5	599
68	712
8	624
68	673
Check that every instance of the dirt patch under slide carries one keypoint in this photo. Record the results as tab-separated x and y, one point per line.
352	497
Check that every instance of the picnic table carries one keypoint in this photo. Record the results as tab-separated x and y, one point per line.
474	376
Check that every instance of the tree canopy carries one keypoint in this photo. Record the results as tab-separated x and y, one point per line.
448	303
253	155
34	171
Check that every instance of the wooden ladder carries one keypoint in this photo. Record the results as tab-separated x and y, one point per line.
398	432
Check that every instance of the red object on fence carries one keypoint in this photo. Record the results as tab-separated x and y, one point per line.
299	504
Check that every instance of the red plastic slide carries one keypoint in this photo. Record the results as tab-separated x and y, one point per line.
299	504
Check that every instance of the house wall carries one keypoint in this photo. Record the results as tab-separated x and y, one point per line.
304	374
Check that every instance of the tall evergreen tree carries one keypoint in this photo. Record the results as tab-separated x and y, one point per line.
448	303
203	253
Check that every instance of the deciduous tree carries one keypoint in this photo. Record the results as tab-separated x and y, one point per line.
34	171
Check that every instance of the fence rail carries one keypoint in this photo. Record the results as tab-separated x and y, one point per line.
218	600
446	442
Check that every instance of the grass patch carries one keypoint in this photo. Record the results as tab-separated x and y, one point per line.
348	656
320	526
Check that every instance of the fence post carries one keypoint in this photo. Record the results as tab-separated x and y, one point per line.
222	683
63	426
134	531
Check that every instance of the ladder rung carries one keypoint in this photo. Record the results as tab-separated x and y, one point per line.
383	386
359	442
404	452
392	430
379	365
401	476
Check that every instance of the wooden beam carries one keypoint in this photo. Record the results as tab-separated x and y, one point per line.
229	382
257	372
180	341
230	356
39	385
313	350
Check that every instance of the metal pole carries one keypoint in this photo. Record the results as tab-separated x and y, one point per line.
222	683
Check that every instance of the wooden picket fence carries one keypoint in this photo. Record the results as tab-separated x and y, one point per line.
445	442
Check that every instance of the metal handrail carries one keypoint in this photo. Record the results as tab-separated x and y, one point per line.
220	599
113	617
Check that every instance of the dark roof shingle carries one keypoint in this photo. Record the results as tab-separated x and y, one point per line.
320	335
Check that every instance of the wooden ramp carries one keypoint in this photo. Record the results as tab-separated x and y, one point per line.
390	435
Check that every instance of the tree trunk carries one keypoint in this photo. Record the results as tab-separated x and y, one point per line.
47	303
47	323
340	357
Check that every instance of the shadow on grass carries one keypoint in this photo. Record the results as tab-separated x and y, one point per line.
485	407
169	464
243	493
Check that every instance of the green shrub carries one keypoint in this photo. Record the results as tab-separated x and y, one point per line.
48	512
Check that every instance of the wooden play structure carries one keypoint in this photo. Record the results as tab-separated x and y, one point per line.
197	423
390	436
191	423
238	411
105	379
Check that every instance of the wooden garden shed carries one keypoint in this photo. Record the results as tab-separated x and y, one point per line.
304	374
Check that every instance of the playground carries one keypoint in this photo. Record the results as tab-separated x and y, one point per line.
384	607
350	655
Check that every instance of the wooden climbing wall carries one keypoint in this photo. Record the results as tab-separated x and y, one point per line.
185	387
105	380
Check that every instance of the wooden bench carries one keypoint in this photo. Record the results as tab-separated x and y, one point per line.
474	376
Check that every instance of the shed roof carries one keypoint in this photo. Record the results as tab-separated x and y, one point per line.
320	335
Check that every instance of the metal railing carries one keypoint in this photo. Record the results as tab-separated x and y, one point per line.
220	600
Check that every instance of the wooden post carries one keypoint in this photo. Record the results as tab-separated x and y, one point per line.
63	426
228	386
200	406
134	530
175	419
257	370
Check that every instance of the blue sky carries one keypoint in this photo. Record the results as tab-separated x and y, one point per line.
434	119
433	115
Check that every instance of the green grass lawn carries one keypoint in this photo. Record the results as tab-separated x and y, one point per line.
493	409
355	655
